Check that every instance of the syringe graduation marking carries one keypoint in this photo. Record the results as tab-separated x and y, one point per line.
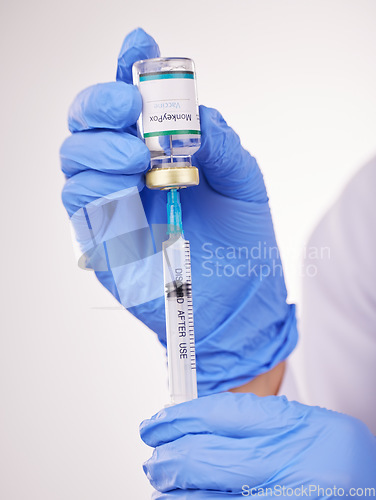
190	306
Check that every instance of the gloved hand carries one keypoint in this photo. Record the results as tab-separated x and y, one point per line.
241	444
243	325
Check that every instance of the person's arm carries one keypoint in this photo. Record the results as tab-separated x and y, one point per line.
266	384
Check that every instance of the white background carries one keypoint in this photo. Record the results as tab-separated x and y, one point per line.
296	79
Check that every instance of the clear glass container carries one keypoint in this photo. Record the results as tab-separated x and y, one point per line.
170	122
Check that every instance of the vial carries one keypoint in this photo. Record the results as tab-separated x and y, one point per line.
169	123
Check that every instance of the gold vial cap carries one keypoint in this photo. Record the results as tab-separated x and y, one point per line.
172	177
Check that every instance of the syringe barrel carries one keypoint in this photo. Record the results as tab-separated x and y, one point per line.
179	320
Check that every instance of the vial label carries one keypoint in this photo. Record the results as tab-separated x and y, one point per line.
169	105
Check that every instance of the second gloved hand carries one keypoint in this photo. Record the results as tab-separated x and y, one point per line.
242	322
241	444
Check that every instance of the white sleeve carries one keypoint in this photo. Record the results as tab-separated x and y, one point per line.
338	316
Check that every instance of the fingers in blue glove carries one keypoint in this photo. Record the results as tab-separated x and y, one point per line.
190	440
89	185
205	416
104	150
199	462
113	105
136	46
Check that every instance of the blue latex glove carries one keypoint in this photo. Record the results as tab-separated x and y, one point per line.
242	322
240	443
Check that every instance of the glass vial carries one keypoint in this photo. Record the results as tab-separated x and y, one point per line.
169	123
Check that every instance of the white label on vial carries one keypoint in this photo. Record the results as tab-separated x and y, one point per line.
169	105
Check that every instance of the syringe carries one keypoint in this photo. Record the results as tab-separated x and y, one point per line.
169	84
178	304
